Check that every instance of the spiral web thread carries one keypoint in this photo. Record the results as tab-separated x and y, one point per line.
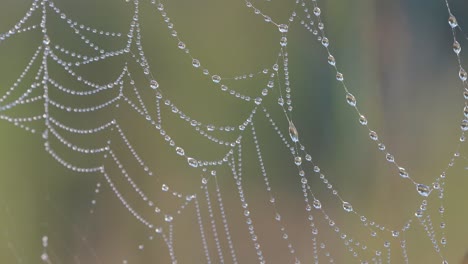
209	194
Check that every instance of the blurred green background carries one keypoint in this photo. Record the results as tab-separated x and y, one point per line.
397	60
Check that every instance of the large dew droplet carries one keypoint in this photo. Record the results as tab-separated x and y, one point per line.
192	162
283	28
317	11
363	120
293	132
339	76
164	188
216	78
317	204
325	42
390	157
419	213
350	99
373	135
452	21
298	160
284	41
462	74
347	207
281	101
154	84
180	151
331	60
464	125
456	47
195	63
181	45
403	172
46	40
168	218
423	190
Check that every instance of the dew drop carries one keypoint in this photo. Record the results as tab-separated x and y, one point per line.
271	84
293	132
423	190
381	146
456	47
46	40
441	209
443	241
462	74
195	63
284	41
45	134
154	84
317	11
281	101
181	45
168	218
403	172
339	76
308	157
362	120
452	21
180	151
347	207
298	160
192	162
464	125
165	188
283	28
390	157
373	135
331	60
278	217
317	204
216	78
45	240
350	99
258	100
325	42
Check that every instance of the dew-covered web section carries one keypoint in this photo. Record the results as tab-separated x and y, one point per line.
219	202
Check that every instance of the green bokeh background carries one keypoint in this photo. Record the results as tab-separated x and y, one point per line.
397	60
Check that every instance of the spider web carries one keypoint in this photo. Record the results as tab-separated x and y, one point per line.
208	166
